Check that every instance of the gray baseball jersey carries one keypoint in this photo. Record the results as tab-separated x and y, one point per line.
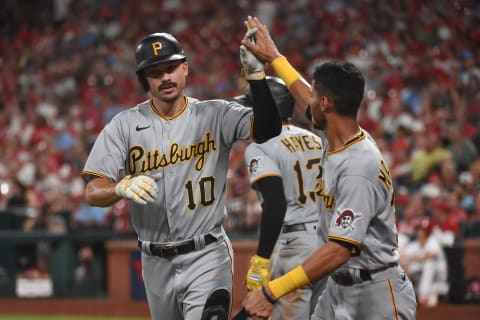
295	156
189	156
358	204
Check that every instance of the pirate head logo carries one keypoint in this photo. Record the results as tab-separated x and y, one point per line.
254	165
346	219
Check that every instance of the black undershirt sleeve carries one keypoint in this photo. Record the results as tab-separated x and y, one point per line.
274	208
266	123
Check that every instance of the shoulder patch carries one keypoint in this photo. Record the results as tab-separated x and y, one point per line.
254	165
347	218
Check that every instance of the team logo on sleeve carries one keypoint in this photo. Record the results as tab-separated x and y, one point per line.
346	219
254	165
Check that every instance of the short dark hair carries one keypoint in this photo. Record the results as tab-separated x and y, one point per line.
343	83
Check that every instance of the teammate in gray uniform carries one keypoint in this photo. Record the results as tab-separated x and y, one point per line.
358	211
283	171
169	156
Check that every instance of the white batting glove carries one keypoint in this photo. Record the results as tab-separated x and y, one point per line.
141	189
253	68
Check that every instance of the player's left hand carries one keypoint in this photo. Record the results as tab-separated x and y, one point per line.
141	189
253	68
257	275
256	304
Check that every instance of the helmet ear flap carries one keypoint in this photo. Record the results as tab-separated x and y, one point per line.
143	81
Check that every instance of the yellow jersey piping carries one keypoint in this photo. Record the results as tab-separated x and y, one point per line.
350	143
152	106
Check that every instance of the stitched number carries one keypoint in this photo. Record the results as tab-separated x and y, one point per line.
206	187
311	164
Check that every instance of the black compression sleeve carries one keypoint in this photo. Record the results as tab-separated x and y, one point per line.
267	123
274	208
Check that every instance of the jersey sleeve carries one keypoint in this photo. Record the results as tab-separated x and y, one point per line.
237	123
354	209
259	164
108	154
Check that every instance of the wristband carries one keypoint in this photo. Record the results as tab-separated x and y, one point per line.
292	280
265	293
285	70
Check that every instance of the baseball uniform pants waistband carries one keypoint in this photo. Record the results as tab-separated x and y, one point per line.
171	250
303	226
352	276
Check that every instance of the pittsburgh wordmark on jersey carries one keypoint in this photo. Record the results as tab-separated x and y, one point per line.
142	161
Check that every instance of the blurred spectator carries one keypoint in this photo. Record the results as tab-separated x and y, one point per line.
468	190
427	155
457	212
87	270
425	263
86	217
447	175
413	213
475	213
445	228
17	199
47	220
88	273
401	166
37	257
463	150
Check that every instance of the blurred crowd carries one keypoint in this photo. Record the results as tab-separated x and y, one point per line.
68	66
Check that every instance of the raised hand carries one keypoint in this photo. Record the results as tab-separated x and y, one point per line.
253	69
263	46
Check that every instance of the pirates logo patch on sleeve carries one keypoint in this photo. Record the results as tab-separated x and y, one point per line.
347	218
254	165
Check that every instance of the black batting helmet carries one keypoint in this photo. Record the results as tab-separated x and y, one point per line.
283	98
156	48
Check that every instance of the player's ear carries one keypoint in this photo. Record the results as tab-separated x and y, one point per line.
185	68
325	103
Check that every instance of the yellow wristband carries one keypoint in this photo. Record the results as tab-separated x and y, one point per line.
296	278
285	70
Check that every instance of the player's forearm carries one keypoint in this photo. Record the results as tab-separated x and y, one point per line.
321	263
274	208
100	192
267	123
298	86
325	260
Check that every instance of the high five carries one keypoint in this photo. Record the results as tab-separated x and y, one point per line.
357	211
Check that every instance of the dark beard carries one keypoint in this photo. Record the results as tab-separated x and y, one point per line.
320	124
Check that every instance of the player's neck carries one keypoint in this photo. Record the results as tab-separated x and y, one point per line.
169	109
341	134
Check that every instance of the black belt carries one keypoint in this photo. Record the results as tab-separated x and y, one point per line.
170	251
344	278
296	227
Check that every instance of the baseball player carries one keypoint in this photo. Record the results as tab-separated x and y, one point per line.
357	207
283	171
169	156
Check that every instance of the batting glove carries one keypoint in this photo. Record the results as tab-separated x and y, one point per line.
253	69
257	275
141	189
